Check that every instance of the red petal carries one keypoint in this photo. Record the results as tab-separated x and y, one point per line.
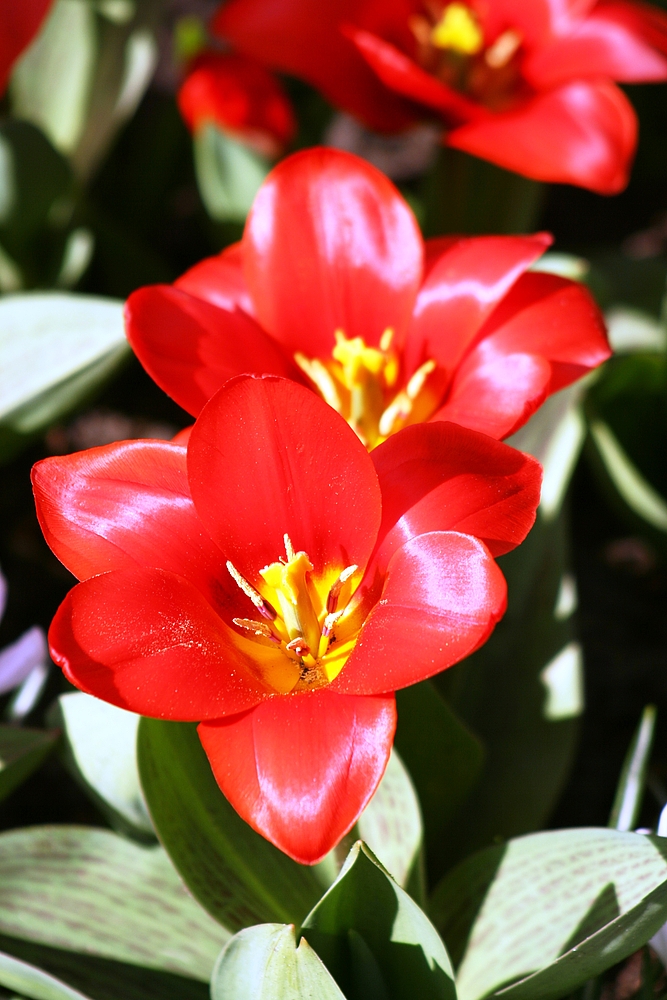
583	133
402	74
302	37
498	395
300	769
122	506
548	316
331	244
268	457
240	96
219	280
441	599
462	289
191	348
148	641
619	40
537	21
442	477
19	23
183	437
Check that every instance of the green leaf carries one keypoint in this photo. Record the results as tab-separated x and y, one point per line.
50	85
229	174
89	890
32	982
521	694
551	910
264	963
237	875
102	740
104	979
21	753
634	489
631	330
391	823
554	436
443	757
55	349
367	930
628	798
35	182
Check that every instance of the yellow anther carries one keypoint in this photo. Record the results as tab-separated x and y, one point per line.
250	592
386	339
503	49
458	30
322	378
418	380
289	548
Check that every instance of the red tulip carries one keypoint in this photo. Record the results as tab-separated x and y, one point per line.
241	97
348	575
332	285
20	21
527	84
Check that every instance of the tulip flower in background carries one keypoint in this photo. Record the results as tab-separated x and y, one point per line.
332	285
20	20
276	583
526	85
239	96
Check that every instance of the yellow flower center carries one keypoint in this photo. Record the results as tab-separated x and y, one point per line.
450	44
360	383
308	628
458	30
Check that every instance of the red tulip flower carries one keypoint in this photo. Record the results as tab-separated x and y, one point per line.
20	20
277	583
241	97
527	84
333	286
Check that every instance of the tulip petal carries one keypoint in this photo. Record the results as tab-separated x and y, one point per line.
548	316
240	96
124	506
219	280
301	769
443	477
191	348
303	38
626	42
402	74
498	396
147	641
19	24
462	289
584	133
441	600
330	245
268	457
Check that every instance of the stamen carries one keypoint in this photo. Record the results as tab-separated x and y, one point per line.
322	379
262	606
334	593
257	628
458	30
298	646
418	380
386	339
503	49
289	548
